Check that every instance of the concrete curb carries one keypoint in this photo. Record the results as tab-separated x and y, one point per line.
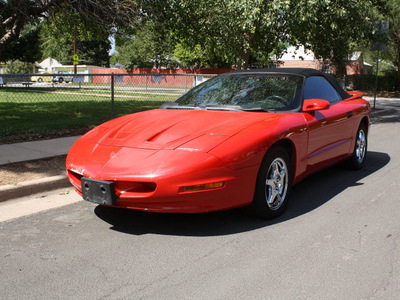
27	188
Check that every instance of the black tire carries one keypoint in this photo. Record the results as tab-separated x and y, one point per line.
40	80
357	160
60	80
274	182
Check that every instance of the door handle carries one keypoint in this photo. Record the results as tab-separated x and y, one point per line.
349	114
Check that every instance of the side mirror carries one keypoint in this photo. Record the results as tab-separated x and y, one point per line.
315	104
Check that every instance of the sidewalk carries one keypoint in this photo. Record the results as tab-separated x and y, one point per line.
20	152
386	109
384	103
11	153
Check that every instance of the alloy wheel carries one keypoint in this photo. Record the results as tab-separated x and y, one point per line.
276	184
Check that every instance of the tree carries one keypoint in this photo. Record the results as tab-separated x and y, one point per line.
106	14
94	52
57	39
145	47
190	57
390	10
330	28
18	67
230	29
27	48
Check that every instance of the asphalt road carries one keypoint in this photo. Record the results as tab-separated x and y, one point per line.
339	239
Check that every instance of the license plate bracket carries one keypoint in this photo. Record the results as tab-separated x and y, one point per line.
98	191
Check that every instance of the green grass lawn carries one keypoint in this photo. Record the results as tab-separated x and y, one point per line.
31	111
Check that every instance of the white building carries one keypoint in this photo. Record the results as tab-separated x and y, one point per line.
49	65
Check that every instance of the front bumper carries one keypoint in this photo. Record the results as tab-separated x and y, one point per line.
152	180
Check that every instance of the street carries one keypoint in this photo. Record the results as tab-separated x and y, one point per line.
338	239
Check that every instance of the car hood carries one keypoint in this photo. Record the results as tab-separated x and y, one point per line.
172	129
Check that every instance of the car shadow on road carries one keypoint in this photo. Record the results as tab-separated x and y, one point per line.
306	196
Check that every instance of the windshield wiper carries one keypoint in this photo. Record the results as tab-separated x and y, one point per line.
174	105
235	108
223	107
257	109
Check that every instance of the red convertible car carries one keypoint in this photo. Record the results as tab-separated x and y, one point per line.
239	139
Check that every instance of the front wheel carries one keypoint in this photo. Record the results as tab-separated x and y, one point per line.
273	185
357	160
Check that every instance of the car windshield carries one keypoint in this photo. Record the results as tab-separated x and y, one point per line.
246	92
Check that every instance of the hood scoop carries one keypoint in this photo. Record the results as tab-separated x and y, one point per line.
163	136
169	129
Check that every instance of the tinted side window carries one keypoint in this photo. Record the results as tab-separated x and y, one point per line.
318	87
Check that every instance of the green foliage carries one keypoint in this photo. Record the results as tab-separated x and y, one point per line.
114	59
190	57
386	82
390	10
198	33
330	28
151	46
18	67
26	48
229	29
94	52
386	59
57	38
197	57
57	44
96	15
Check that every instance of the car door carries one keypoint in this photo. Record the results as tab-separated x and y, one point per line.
330	130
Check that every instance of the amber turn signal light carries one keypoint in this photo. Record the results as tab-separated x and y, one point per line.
202	187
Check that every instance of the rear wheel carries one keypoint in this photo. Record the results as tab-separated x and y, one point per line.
273	185
357	160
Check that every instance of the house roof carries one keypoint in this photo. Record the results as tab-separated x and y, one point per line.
355	56
297	53
49	63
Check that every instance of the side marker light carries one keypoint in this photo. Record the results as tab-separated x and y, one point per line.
202	187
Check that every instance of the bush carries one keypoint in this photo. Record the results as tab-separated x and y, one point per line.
366	82
18	67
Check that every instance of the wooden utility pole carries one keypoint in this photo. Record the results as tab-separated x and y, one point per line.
74	61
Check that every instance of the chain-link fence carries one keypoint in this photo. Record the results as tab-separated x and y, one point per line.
44	103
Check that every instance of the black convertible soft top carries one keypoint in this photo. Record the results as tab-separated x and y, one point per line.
306	72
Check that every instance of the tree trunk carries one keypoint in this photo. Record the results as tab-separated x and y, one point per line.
246	58
239	64
398	64
11	34
1	50
341	68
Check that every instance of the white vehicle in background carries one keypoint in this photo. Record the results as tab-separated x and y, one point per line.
63	76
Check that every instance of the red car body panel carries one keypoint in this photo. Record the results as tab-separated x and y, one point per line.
152	155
